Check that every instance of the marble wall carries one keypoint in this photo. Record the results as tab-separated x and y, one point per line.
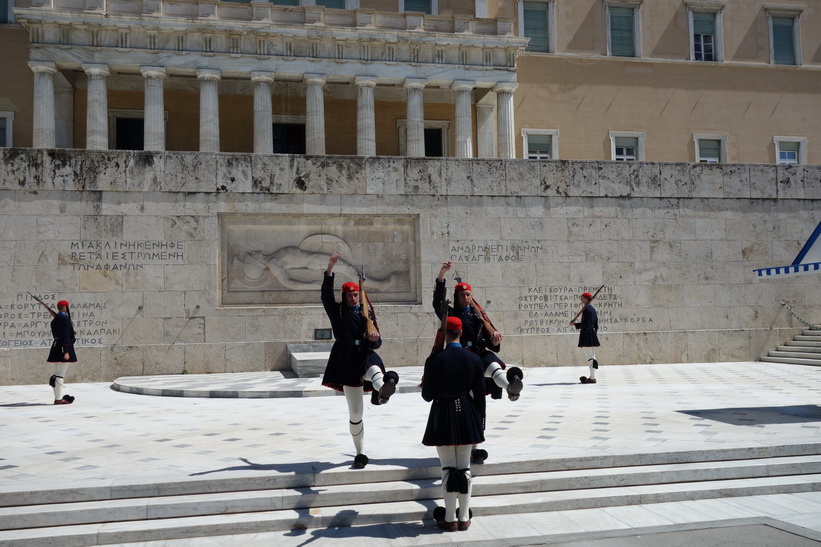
212	262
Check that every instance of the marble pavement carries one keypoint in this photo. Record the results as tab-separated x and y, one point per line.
111	438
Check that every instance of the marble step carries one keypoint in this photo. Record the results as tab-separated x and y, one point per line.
806	337
395	511
807	346
309	477
175	506
794	352
792	361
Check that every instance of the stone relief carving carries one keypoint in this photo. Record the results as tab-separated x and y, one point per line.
279	259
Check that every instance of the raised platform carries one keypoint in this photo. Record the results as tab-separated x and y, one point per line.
245	385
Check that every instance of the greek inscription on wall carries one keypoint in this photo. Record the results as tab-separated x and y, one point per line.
25	323
494	251
124	255
549	309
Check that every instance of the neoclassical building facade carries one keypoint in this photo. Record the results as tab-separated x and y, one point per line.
270	69
718	81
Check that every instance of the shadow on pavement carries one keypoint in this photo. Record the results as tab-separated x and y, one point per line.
760	414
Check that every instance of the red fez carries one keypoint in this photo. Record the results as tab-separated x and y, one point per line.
462	287
350	286
62	303
587	295
454	323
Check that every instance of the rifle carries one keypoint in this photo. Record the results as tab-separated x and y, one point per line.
439	339
51	311
585	306
371	325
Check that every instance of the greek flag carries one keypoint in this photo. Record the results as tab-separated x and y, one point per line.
807	261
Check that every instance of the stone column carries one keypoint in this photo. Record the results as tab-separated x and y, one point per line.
263	123
43	122
209	109
97	107
365	120
416	117
464	118
154	108
315	115
485	134
505	143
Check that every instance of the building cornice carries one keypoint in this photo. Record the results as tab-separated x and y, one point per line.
237	38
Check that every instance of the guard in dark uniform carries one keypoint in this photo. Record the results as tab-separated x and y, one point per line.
588	329
476	339
62	351
455	385
354	367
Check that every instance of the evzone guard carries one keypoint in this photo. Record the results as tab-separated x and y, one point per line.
588	329
482	338
354	367
454	384
62	348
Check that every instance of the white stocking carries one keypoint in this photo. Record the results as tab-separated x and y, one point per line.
592	353
356	407
495	371
374	375
463	462
447	457
60	373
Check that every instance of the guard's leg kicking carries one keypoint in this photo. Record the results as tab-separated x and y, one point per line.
384	385
509	379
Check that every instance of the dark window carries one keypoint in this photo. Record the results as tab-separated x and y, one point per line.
622	37
433	143
333	4
289	138
783	40
535	26
129	134
418	6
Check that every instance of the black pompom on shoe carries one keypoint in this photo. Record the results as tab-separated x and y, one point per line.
360	461
389	387
515	385
478	455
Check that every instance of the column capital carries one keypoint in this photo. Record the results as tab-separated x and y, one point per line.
210	74
505	87
258	76
157	72
315	79
365	81
463	85
414	83
96	69
46	67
